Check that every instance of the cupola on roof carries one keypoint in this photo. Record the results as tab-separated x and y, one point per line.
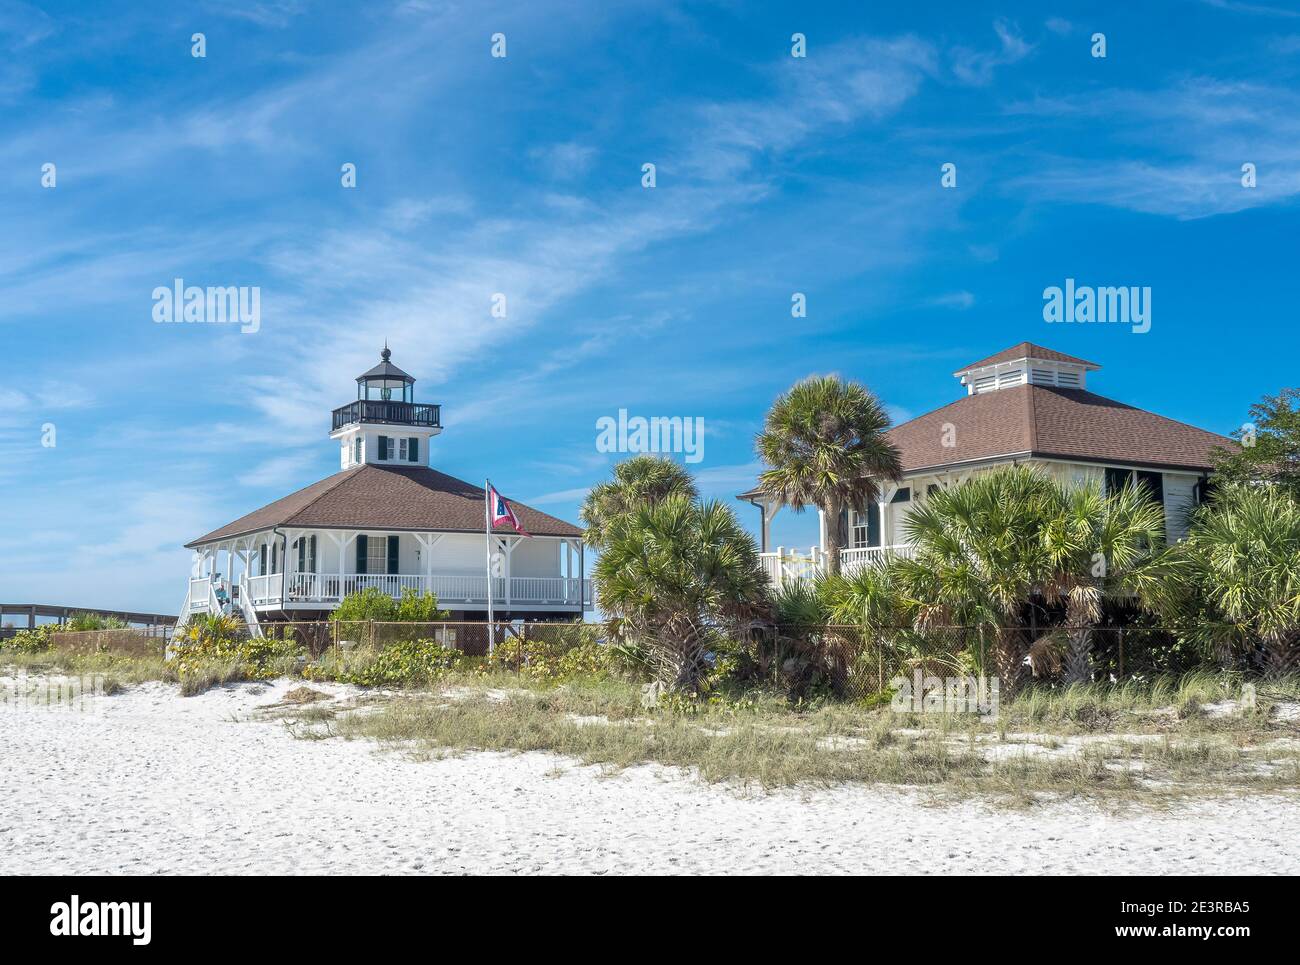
386	370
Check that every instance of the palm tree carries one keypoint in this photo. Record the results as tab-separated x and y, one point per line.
639	481
1239	579
978	557
1100	546
824	442
673	573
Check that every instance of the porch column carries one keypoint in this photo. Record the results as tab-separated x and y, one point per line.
512	542
582	593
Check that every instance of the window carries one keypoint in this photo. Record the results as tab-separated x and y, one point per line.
1204	490
306	547
377	554
859	534
1116	479
933	488
866	528
401	450
1153	482
904	495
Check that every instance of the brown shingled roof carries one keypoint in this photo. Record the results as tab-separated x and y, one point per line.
1045	421
387	498
1027	350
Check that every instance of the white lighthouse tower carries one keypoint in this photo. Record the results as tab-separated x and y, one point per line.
385	426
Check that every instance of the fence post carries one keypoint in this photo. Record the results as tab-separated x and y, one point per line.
880	664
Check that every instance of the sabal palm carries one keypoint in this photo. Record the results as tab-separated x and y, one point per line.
673	572
1240	574
639	481
979	556
824	443
1100	546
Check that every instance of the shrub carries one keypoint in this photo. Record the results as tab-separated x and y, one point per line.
372	603
205	660
556	653
405	663
93	621
418	608
38	640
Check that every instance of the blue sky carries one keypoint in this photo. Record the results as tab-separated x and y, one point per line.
522	175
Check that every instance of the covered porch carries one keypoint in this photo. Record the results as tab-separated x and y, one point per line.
866	538
298	569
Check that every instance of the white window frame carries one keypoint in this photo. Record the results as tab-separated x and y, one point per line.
858	522
371	544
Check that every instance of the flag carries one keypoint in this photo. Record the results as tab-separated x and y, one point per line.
499	511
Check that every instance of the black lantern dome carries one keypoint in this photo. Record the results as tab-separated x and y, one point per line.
386	382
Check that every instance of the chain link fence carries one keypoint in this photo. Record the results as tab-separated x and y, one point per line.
856	663
848	661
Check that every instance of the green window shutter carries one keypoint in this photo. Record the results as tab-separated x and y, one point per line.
392	554
413	449
361	553
383	447
313	554
301	545
261	568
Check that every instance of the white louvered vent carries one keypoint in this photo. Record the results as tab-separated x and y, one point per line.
1043	377
1007	379
1068	379
986	384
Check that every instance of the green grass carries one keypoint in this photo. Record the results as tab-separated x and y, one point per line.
603	723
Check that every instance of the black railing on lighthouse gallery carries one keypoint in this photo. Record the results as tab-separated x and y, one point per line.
388	413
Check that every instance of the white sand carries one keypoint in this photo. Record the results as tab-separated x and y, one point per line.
152	783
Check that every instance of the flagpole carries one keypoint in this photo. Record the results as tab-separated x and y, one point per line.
487	546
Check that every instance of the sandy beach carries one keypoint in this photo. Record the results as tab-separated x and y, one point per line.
148	782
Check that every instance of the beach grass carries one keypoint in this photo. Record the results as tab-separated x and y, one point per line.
1038	748
1153	740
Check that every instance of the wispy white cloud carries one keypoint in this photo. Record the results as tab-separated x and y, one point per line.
977	67
1195	138
960	300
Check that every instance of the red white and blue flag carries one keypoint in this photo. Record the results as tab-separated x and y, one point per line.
499	511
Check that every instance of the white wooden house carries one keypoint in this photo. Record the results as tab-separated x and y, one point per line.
1027	404
387	520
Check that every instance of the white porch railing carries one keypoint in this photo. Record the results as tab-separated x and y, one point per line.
783	566
328	588
265	589
200	591
854	559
